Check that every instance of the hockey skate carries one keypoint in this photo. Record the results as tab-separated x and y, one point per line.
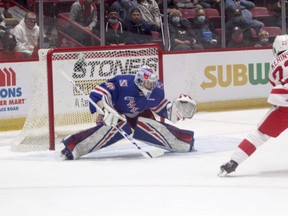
228	168
66	154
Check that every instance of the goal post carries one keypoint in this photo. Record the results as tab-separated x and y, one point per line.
58	108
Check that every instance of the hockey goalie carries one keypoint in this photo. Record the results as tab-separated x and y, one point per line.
128	102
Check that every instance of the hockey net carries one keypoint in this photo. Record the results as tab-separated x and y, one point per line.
60	105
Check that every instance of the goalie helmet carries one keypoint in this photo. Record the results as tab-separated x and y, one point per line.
146	80
280	44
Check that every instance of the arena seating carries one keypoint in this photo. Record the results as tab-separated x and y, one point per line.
51	6
263	14
185	4
188	13
157	38
67	40
273	32
214	16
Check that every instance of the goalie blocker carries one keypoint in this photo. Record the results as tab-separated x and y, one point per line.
149	131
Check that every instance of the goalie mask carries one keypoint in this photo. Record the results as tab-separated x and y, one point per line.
146	80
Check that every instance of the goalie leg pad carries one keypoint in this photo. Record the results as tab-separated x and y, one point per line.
93	139
163	135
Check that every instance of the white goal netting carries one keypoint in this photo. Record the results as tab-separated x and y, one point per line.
58	107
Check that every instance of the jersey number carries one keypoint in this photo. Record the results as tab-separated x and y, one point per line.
277	74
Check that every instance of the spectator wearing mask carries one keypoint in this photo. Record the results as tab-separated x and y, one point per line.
27	35
263	39
115	29
204	29
182	37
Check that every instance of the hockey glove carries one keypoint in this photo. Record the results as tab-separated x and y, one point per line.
111	116
183	107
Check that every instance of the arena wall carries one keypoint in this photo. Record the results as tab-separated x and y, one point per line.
217	80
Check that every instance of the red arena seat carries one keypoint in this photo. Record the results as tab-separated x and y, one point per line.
262	14
213	15
187	13
273	30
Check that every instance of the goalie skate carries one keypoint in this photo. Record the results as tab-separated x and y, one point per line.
227	168
65	154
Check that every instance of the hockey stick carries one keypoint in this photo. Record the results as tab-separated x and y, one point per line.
147	154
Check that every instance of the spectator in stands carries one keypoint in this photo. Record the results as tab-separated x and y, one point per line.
238	40
205	31
263	39
115	29
277	11
150	13
139	32
84	12
182	37
238	21
6	13
194	4
244	7
124	7
50	18
9	43
27	35
210	4
171	4
107	4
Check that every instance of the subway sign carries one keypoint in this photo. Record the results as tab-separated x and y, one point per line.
235	75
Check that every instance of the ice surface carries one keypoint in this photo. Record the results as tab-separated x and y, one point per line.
118	181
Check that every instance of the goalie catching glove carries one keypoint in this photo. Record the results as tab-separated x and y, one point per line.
183	107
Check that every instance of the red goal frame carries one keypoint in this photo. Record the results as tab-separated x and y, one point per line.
49	66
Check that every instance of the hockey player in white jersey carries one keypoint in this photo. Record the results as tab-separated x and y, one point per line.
276	120
127	102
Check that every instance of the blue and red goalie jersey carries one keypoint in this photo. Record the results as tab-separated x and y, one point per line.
128	99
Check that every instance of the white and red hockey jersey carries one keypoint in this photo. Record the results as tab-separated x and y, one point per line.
278	77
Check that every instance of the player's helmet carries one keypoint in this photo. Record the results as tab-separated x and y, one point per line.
280	44
146	80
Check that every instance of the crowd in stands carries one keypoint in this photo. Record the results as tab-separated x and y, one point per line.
190	24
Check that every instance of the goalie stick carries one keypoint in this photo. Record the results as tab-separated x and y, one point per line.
147	154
